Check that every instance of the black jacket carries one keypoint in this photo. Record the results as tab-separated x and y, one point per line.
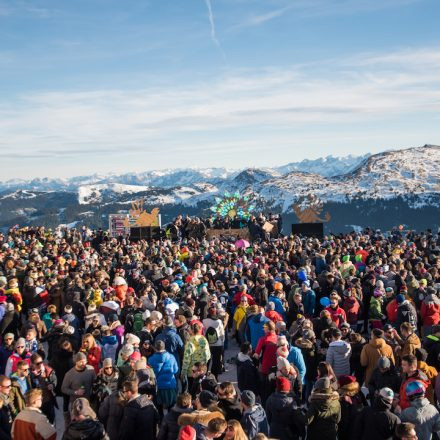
231	408
87	429
378	380
140	420
247	374
170	428
376	422
5	423
286	421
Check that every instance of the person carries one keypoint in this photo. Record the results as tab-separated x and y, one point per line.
165	368
247	372
234	431
410	373
405	312
377	421
255	322
171	338
200	374
338	353
42	376
215	334
20	385
169	429
309	350
31	423
384	375
239	319
196	350
92	350
254	418
6	350
215	429
140	417
84	424
285	420
110	413
406	431
228	401
106	382
20	354
421	413
5	410
324	412
266	349
372	351
78	381
430	372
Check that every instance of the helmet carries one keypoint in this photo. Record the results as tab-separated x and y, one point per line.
415	389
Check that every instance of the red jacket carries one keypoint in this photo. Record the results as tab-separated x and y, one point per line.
351	307
274	316
94	357
430	310
419	376
267	345
337	315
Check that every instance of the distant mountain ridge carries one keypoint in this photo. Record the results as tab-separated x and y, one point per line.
380	190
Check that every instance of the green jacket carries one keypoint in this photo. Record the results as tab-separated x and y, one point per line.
196	350
375	311
323	415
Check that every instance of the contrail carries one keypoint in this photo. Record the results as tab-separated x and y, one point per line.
213	34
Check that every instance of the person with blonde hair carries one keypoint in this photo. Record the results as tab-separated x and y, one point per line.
234	431
31	423
92	350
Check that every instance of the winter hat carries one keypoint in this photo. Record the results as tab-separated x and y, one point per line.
187	433
113	317
282	362
156	316
80	356
145	315
282	341
248	398
81	407
346	258
344	379
127	350
107	362
132	339
383	362
20	342
135	356
306	283
344	325
378	293
423	282
322	383
415	389
207	398
389	289
68	308
9	336
283	384
400	298
387	394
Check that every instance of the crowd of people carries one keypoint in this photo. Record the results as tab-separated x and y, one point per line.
339	338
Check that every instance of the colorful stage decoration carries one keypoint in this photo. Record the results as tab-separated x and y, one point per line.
234	206
140	217
309	209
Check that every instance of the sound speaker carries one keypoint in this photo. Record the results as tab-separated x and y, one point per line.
145	233
308	229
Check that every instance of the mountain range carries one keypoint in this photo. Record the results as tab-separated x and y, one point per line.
381	190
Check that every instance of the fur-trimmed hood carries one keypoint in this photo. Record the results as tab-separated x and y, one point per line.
201	416
350	389
324	397
304	344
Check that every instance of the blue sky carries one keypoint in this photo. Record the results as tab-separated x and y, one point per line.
114	86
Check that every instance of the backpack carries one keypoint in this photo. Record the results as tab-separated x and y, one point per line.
211	335
138	322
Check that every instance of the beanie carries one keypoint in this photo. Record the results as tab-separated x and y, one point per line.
384	362
207	398
283	384
187	433
400	298
248	398
346	380
387	394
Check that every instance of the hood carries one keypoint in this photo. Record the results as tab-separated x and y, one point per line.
257	413
178	410
111	339
419	403
381	404
413	339
259	319
377	343
241	357
324	399
350	301
83	429
140	402
341	347
279	401
202	417
432	299
304	344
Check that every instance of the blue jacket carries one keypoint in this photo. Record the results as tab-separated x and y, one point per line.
309	301
165	367
255	329
173	342
278	306
255	421
296	358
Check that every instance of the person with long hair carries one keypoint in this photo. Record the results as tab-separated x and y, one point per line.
326	370
92	350
234	431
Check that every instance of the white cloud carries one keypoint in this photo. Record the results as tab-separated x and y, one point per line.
248	110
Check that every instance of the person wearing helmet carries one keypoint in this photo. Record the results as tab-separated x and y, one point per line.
421	413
